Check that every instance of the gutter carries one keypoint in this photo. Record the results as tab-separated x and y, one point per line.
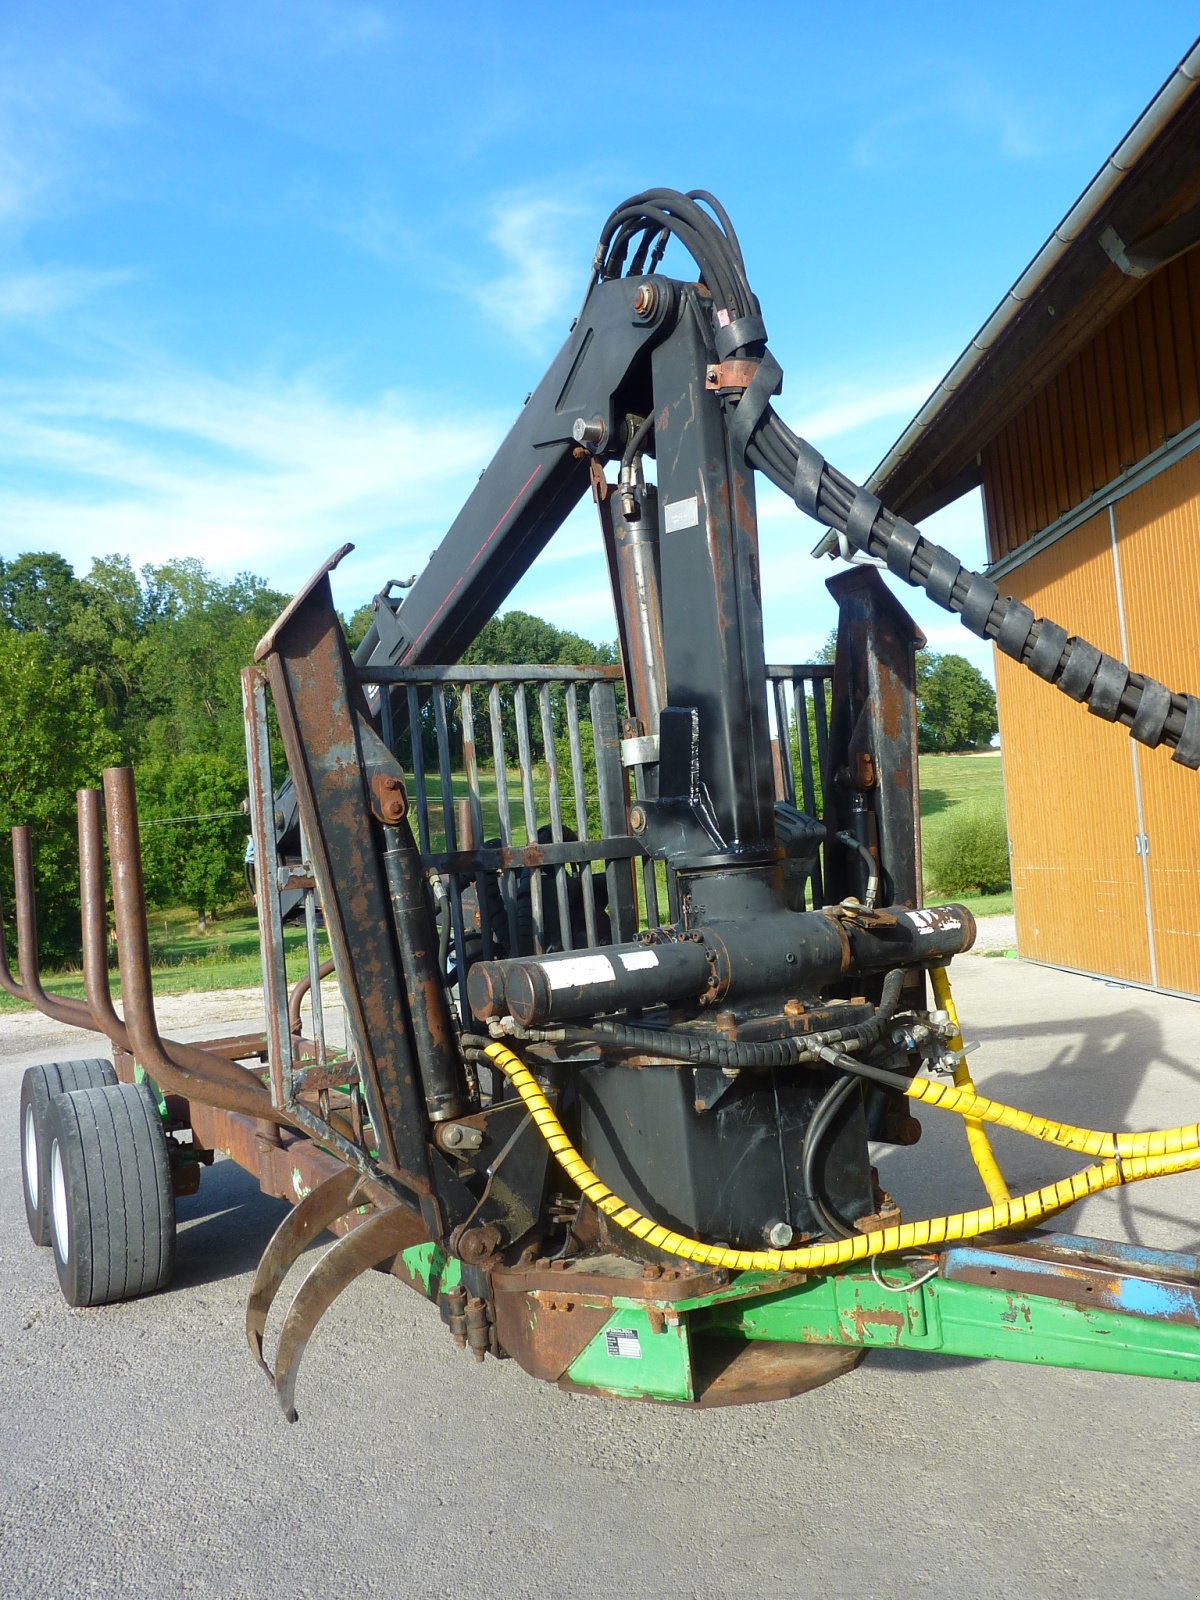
1178	87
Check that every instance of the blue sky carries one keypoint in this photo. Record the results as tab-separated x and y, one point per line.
275	274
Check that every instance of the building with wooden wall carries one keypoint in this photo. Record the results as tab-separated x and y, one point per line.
1076	409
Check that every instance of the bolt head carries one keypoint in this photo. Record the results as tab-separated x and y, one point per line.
586	430
779	1235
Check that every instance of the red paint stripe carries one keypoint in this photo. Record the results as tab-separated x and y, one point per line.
474	561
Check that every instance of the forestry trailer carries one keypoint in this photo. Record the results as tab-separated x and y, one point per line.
633	962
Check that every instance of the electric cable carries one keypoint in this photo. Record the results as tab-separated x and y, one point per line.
902	1288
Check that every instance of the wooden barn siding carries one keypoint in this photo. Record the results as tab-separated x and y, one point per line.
1077	884
1133	386
1158	555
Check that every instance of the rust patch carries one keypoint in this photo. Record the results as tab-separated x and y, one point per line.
867	1320
389	801
543	1336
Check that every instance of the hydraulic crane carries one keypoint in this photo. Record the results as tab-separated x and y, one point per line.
628	1148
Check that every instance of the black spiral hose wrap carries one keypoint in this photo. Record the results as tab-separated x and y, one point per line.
1153	713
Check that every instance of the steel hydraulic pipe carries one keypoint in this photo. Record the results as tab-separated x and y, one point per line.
635	545
196	1074
439	1064
758	959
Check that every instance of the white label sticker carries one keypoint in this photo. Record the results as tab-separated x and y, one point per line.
582	970
682	513
624	1342
638	960
931	921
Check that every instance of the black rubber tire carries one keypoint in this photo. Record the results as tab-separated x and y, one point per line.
112	1210
38	1087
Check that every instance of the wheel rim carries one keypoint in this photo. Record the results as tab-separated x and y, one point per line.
58	1202
29	1157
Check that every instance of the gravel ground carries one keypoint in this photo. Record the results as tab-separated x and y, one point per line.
141	1453
996	933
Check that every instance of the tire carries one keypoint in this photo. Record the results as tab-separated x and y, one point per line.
38	1088
111	1207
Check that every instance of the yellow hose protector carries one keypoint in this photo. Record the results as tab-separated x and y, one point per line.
978	1142
1124	1166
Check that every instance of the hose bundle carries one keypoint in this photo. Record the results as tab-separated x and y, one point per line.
633	241
1127	1158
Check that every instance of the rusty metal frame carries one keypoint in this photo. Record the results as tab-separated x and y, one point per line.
333	753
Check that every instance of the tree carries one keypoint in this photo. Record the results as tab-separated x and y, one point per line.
201	633
54	739
518	636
193	832
38	591
956	705
104	627
358	626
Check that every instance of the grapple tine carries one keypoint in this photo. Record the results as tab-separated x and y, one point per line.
309	1217
354	1253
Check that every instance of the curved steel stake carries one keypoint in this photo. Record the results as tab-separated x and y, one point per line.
309	1217
354	1253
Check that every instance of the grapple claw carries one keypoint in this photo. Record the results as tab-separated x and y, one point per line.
309	1217
373	1241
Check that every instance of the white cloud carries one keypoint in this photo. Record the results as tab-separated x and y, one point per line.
343	29
248	475
939	115
856	407
51	112
541	273
27	296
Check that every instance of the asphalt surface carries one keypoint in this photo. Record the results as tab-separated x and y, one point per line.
141	1453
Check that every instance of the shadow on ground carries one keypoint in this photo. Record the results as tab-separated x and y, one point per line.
223	1228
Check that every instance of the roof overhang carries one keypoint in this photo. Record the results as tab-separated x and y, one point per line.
1140	210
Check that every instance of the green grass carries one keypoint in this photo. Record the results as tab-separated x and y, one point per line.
949	781
185	961
226	957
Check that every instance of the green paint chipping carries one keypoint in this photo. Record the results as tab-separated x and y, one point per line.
963	1319
629	1357
299	1187
636	1357
140	1075
432	1268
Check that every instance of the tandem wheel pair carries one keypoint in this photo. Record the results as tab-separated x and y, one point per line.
96	1176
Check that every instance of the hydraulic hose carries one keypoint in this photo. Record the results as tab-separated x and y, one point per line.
1153	713
1160	1142
709	1050
823	1119
1019	1212
978	1142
